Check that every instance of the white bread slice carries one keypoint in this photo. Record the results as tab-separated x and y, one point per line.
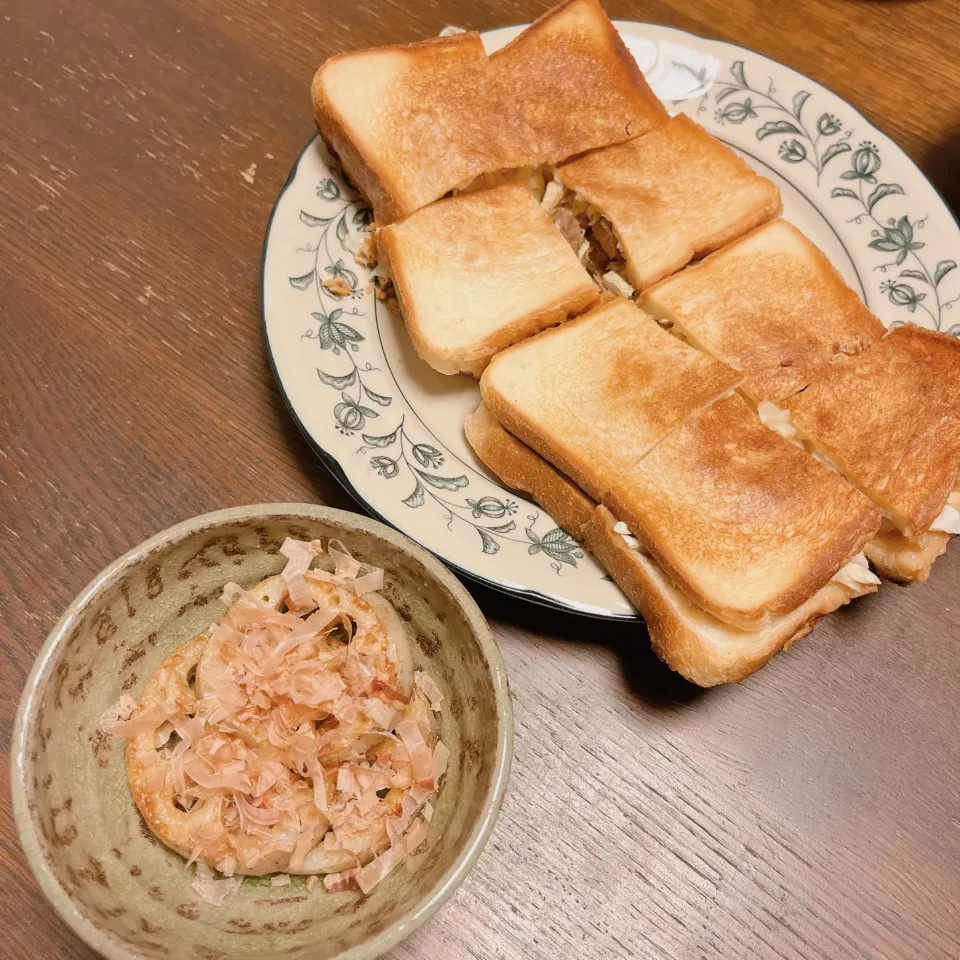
772	305
703	649
745	523
476	273
595	394
670	196
890	420
411	123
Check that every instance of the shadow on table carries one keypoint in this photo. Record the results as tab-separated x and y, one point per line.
648	677
940	165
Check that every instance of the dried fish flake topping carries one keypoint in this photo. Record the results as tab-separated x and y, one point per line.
307	743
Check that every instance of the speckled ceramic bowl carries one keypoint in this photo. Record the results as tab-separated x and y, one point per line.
120	889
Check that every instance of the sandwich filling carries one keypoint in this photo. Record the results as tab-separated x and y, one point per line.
602	257
590	235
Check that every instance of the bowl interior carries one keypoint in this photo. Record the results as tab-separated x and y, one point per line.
117	875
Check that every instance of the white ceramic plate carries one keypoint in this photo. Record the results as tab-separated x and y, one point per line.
390	427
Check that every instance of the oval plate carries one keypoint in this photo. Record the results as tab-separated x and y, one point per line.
390	428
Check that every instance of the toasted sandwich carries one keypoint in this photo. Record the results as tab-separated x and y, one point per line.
747	525
704	649
658	201
411	123
889	420
771	305
596	394
475	273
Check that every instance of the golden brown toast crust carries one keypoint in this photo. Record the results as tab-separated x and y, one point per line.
704	650
745	523
672	195
595	394
415	121
411	123
722	654
890	417
770	304
577	87
476	273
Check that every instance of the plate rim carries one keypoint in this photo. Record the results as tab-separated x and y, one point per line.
330	461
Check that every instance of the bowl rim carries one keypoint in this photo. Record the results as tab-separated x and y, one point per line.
42	669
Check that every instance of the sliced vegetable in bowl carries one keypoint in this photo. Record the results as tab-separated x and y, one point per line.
319	681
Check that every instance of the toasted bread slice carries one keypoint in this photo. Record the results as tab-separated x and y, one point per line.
594	395
746	524
407	122
411	123
574	84
772	305
478	272
700	647
890	419
670	196
904	559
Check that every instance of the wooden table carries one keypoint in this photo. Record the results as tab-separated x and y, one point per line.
813	811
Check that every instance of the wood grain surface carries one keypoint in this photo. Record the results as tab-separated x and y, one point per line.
813	811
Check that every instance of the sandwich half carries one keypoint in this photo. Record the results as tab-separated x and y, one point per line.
661	200
475	273
596	394
411	123
747	525
704	649
771	305
889	420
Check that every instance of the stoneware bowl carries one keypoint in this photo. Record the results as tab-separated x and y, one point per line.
120	889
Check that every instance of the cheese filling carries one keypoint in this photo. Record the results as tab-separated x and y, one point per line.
630	539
